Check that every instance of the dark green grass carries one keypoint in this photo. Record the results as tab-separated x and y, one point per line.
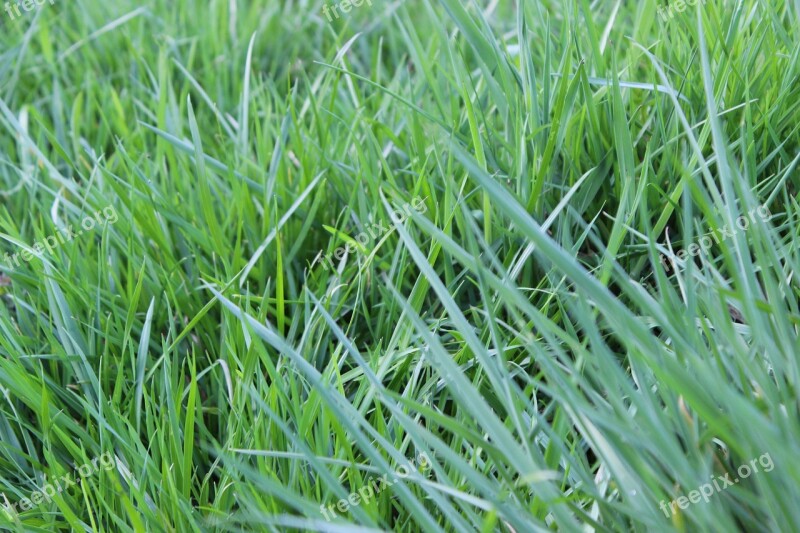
521	332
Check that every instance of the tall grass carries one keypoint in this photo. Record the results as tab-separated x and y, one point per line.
521	330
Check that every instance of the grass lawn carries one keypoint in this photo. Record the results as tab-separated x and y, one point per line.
421	265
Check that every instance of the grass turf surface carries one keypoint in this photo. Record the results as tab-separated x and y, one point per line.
533	345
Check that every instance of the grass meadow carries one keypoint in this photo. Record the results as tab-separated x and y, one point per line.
586	321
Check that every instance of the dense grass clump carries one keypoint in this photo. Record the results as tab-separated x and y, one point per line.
426	265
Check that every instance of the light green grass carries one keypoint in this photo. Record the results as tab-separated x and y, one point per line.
521	332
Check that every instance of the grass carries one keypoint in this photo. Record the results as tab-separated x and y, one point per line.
520	331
